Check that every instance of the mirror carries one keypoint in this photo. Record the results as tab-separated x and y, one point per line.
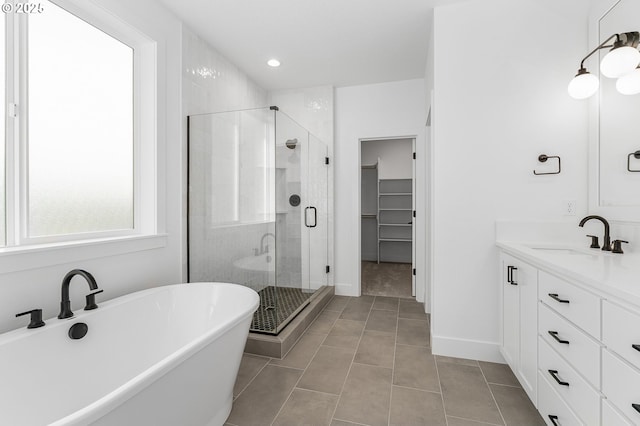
617	133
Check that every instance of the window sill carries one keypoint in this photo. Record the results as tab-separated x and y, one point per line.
21	258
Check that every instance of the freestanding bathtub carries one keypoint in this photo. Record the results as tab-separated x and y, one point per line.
163	356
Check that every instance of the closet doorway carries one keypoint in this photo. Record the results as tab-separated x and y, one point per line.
387	208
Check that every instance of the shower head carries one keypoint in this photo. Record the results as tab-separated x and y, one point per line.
291	143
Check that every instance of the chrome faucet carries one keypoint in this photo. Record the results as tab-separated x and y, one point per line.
606	246
264	248
65	303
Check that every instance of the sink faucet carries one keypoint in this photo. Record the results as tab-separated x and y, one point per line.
606	246
65	304
264	249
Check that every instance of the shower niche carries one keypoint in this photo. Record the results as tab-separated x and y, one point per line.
258	210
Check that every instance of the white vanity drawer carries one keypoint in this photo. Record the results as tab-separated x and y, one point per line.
611	417
621	385
552	407
578	305
582	352
620	331
576	391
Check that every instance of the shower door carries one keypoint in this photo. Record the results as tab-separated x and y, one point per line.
316	214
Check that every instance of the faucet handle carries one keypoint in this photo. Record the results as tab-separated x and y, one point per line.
91	300
594	241
617	246
36	318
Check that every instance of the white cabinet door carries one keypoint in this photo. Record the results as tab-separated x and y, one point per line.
526	277
510	313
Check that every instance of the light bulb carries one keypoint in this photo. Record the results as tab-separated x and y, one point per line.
629	84
583	85
620	61
273	63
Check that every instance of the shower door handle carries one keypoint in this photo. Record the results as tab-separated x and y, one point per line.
315	217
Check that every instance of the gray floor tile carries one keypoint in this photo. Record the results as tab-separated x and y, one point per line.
466	393
383	303
366	394
249	368
305	407
386	279
413	332
456	421
415	407
357	310
516	407
461	361
343	423
337	303
500	374
328	370
382	321
345	334
323	323
412	310
262	399
376	348
415	367
300	355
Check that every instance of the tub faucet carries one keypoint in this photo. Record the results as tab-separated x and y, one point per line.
65	303
265	248
606	246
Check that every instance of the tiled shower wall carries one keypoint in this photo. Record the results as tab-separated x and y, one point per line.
212	84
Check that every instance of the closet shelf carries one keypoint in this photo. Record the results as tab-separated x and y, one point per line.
395	193
396	210
404	240
369	216
395	224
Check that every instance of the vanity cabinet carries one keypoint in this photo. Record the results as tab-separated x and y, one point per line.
574	348
519	321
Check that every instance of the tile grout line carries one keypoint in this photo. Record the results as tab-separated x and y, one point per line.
492	395
250	381
435	361
416	389
393	364
475	421
352	359
303	371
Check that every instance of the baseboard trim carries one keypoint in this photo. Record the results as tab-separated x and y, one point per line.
346	290
464	348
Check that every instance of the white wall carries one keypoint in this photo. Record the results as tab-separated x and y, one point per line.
29	281
498	105
386	110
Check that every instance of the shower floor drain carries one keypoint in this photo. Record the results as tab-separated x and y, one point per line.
277	304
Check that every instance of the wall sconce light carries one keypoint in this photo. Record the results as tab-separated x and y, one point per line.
622	62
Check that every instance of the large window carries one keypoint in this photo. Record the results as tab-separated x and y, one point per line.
70	147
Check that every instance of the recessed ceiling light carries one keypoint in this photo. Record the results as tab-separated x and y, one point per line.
273	63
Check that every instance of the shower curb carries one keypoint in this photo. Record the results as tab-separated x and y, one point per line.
278	346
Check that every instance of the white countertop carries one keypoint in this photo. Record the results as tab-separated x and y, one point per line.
617	275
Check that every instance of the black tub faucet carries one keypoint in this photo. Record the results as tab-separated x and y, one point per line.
606	245
65	303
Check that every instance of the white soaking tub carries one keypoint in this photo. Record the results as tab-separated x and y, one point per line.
163	356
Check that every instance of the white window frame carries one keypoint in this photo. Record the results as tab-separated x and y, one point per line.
145	214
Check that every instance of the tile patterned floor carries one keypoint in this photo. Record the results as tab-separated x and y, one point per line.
367	361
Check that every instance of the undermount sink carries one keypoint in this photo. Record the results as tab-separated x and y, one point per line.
565	251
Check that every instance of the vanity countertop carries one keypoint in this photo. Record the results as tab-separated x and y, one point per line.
617	275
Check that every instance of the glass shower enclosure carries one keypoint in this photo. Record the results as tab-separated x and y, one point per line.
258	209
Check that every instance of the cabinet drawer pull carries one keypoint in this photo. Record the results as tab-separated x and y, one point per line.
636	347
636	407
554	374
555	297
554	334
510	270
553	420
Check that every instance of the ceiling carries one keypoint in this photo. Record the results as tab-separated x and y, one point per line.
318	42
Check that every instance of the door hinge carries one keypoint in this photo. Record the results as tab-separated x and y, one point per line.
414	213
414	155
326	160
12	111
328	269
414	271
